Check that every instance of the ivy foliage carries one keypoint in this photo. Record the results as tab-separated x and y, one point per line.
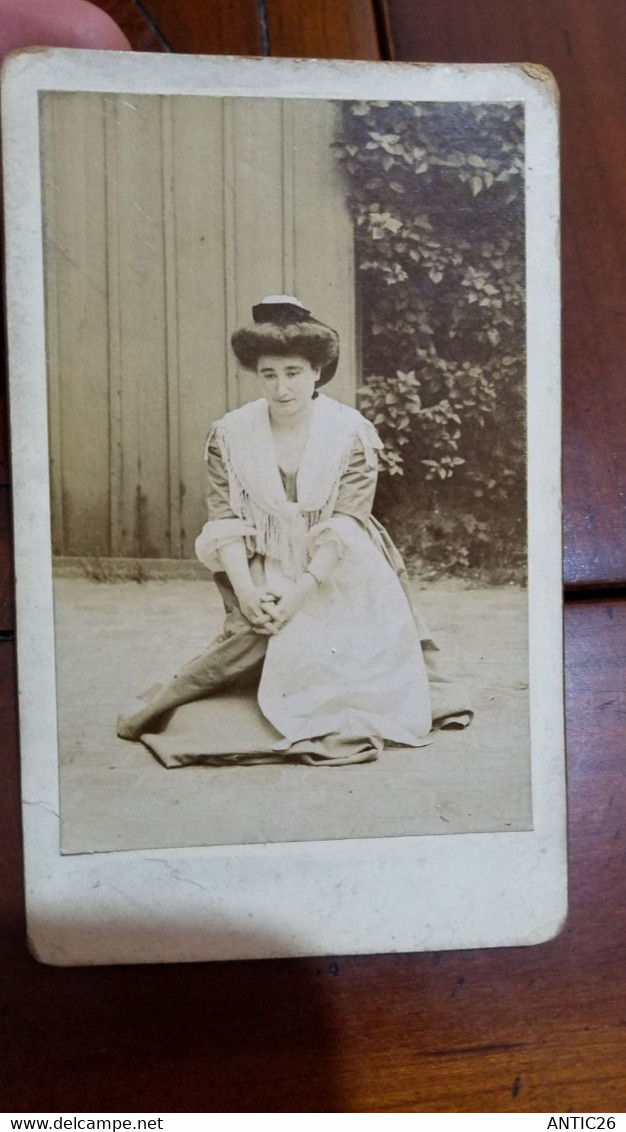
436	195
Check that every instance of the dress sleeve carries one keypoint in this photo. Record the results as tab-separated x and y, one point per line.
224	525
218	494
355	499
357	487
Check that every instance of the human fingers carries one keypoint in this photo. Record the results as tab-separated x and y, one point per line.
271	622
256	616
256	622
265	630
57	23
280	617
262	614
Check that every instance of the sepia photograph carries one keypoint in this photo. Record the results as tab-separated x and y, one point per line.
284	374
285	345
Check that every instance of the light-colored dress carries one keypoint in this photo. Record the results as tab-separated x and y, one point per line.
349	667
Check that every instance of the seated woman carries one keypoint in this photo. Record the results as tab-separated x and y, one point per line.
317	608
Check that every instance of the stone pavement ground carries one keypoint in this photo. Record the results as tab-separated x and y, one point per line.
114	639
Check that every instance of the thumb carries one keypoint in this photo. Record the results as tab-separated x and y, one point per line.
57	23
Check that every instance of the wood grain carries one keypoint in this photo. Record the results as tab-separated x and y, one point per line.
525	1029
322	29
211	27
317	28
583	46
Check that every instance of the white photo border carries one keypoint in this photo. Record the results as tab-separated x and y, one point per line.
305	898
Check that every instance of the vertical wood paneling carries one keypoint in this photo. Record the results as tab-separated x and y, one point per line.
259	212
137	258
76	322
200	311
172	324
324	260
114	316
230	245
180	213
289	201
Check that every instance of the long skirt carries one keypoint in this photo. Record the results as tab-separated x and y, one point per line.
346	675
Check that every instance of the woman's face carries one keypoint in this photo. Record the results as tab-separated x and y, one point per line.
288	384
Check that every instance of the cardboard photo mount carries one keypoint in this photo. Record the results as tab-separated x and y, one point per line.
359	895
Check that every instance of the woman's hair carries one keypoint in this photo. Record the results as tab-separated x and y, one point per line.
312	340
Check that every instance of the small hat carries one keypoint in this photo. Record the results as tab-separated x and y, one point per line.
284	310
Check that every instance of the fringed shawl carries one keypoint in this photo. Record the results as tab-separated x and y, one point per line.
257	495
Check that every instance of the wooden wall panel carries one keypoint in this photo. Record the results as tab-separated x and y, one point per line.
76	276
310	28
197	277
323	254
323	29
137	328
188	210
302	244
583	44
210	27
171	316
257	198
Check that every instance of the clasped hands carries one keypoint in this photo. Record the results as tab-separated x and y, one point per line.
269	610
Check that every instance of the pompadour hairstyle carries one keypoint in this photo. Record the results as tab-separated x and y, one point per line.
312	340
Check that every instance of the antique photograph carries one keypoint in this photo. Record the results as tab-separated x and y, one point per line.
284	373
286	370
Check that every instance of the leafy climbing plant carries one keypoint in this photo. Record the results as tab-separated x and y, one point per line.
436	193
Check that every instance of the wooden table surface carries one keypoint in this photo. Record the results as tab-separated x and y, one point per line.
537	1029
